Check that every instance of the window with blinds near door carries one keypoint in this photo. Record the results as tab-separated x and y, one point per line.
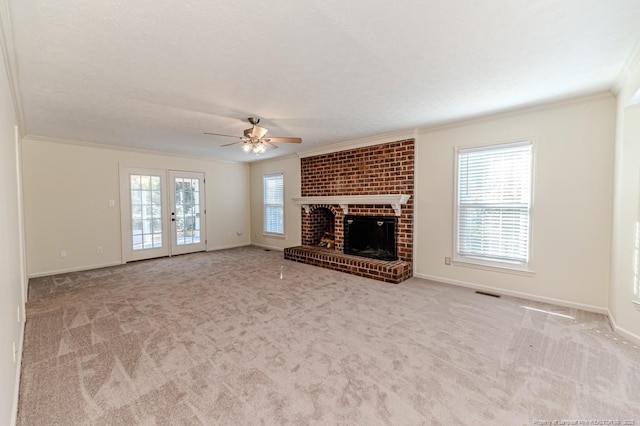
493	204
274	204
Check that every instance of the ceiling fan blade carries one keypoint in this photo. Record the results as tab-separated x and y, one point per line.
218	134
269	144
232	143
285	140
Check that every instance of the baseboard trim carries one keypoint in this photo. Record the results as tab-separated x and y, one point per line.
16	387
623	332
521	295
78	269
265	246
228	247
105	265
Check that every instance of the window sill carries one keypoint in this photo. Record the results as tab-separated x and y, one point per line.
468	263
272	235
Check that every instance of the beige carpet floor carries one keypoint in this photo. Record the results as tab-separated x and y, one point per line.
219	338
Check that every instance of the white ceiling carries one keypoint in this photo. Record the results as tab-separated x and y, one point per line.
155	74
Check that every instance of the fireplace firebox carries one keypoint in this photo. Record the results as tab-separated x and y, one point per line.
371	236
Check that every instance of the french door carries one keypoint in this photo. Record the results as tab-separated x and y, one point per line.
187	208
162	212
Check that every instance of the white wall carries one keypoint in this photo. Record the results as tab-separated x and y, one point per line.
626	204
11	275
67	189
290	166
572	211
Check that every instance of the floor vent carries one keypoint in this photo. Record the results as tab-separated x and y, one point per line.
266	249
497	296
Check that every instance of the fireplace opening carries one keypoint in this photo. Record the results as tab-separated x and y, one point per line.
322	228
371	236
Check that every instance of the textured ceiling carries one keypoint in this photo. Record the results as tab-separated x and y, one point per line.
155	74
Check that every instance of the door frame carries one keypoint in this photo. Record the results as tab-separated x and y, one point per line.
168	229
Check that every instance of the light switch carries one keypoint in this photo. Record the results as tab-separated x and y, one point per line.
112	203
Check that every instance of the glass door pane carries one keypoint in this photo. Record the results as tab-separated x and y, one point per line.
146	212
143	201
187	192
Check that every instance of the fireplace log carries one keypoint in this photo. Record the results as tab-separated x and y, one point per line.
328	240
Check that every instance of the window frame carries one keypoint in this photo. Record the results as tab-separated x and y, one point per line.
265	232
526	268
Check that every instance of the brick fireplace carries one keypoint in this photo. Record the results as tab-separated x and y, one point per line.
370	181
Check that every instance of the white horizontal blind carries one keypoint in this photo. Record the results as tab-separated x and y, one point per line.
274	204
494	201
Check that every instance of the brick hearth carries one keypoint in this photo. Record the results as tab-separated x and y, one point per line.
375	170
391	272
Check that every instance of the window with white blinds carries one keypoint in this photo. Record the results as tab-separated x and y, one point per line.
274	204
494	203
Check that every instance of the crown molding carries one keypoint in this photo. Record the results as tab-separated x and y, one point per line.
360	143
8	53
47	139
632	61
413	133
517	111
268	160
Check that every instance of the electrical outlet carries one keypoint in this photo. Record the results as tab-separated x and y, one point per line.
18	312
99	250
447	261
63	253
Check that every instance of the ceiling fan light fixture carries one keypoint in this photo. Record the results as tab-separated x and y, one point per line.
255	147
259	148
246	147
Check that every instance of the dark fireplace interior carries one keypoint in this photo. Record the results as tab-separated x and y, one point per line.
371	236
323	228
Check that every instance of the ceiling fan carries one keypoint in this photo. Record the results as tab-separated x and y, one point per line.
254	140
